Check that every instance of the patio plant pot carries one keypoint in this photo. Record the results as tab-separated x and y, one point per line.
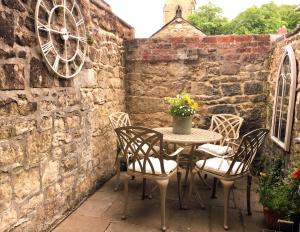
182	125
271	218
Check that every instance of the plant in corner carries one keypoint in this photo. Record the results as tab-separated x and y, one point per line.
182	109
279	194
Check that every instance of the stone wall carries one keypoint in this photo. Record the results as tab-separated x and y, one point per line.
294	153
226	74
56	145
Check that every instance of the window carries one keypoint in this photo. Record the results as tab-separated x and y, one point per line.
284	99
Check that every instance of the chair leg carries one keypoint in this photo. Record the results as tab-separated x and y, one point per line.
179	189
226	186
249	181
144	188
118	176
214	188
163	184
125	196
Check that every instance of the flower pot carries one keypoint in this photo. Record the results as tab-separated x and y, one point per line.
271	218
182	125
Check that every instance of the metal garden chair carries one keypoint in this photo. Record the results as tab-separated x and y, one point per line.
233	166
150	163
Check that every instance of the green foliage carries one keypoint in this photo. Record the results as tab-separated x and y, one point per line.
266	19
208	18
182	105
279	191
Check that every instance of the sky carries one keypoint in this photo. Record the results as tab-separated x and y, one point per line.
146	16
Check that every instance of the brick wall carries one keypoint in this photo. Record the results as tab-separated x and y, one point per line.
227	74
56	145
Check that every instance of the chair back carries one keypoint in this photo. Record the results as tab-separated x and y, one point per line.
139	144
246	151
119	119
228	125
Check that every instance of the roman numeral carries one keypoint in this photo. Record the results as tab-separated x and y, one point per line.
81	21
80	54
46	48
67	69
56	63
73	6
75	65
45	7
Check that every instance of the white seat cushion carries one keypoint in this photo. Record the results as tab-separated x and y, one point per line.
169	166
219	165
215	149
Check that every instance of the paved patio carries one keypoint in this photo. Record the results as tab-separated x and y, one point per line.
102	211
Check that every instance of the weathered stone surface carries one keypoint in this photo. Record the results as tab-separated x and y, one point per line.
39	74
7	55
29	23
25	40
22	54
7	218
31	204
26	182
13	77
18	106
231	89
11	154
24	126
14	4
5	195
252	88
50	171
37	143
230	69
7	29
221	109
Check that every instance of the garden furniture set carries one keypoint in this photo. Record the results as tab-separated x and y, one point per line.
218	152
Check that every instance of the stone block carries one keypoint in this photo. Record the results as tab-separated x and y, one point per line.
39	74
12	77
50	171
231	89
11	154
11	106
7	55
69	163
221	109
229	68
46	122
38	142
7	29
25	183
30	205
5	196
24	126
7	218
14	4
252	88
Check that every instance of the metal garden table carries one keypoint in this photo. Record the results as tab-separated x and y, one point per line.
196	138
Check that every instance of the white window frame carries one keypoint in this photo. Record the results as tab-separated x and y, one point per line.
288	51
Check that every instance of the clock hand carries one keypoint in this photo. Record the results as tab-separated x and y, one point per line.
50	30
82	39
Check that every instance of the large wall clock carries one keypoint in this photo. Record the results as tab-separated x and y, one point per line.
61	35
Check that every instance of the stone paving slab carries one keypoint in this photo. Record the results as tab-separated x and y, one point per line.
102	211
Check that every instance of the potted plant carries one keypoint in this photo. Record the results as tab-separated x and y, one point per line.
182	109
279	194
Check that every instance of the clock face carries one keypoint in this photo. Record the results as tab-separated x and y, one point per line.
61	34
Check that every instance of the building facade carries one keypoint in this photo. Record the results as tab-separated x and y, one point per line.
187	7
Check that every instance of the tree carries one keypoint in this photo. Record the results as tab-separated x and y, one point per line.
266	19
208	18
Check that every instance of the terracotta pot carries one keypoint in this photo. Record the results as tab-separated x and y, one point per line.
182	125
271	218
